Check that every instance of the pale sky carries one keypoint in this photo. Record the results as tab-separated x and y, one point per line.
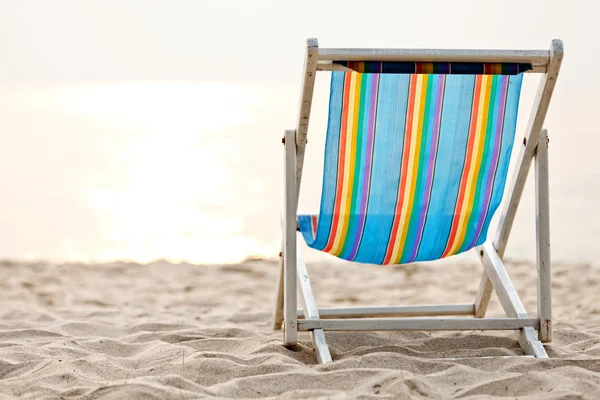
261	40
141	129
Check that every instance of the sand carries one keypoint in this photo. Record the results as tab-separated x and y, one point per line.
162	331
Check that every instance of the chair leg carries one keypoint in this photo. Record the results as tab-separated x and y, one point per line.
528	339
509	299
543	239
321	348
483	296
503	286
311	311
290	332
278	312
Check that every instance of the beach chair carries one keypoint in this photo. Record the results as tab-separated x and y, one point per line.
416	164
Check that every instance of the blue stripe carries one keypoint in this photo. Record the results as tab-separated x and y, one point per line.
387	156
360	166
329	169
508	134
479	209
413	231
454	133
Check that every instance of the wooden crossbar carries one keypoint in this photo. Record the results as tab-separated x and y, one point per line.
534	57
418	324
395	311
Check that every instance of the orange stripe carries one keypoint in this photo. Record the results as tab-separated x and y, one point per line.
463	183
342	156
405	156
349	183
478	151
414	168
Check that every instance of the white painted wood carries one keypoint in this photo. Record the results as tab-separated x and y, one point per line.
299	139
291	202
308	84
321	347
417	324
279	295
279	302
394	311
507	294
515	186
307	88
331	66
535	57
542	211
311	312
483	296
290	205
528	339
509	299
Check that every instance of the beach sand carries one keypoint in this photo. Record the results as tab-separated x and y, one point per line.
161	331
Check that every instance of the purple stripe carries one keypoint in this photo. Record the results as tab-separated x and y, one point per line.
430	166
364	196
496	155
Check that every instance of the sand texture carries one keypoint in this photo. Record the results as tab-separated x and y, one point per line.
162	331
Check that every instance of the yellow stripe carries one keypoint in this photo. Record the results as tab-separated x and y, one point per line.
419	102
413	165
482	113
348	162
482	134
352	170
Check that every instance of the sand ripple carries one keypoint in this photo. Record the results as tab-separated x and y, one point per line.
164	331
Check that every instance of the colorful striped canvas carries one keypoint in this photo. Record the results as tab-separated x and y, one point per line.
415	164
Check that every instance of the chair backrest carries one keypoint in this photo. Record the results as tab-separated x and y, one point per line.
416	159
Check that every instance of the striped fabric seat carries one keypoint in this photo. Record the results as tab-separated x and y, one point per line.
415	164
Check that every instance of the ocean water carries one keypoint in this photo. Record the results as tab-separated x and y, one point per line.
192	171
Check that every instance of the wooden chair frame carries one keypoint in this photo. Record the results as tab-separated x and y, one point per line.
495	278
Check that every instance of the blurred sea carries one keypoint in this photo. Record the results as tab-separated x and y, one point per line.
96	171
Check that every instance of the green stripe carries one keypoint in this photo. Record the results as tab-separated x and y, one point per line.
421	171
480	185
355	202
